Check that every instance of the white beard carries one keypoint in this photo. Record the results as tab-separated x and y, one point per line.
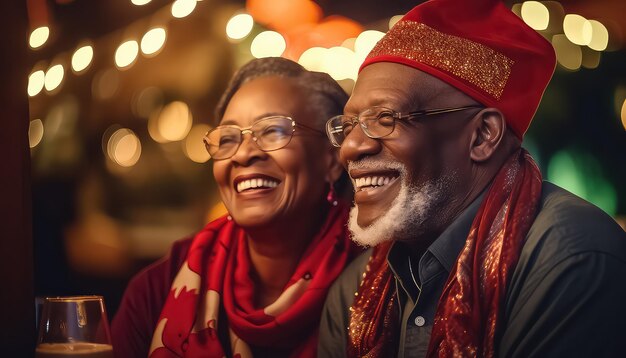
409	210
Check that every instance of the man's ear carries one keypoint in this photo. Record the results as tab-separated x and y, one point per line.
490	126
333	166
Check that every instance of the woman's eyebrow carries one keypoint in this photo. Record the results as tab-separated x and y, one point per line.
257	118
270	114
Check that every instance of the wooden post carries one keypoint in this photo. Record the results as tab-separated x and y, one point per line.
16	246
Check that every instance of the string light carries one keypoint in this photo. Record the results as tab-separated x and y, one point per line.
38	37
577	29
126	54
36	82
54	77
153	41
535	14
82	58
268	44
599	36
239	26
35	132
182	8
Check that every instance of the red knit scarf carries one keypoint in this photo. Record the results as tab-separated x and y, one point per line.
469	313
216	277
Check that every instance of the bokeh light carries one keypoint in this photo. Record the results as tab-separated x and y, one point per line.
581	174
36	82
577	29
105	84
349	43
146	101
193	147
535	15
268	44
124	147
313	59
239	26
81	59
126	54
365	42
334	30
35	132
624	114
599	36
153	41
172	123
54	77
60	122
591	58
568	54
140	2
39	36
340	63
284	15
182	8
394	20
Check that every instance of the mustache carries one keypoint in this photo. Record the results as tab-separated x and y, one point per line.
376	164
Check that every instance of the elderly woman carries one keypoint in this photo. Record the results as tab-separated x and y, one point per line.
253	282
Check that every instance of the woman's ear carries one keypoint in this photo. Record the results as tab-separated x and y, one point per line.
333	166
489	130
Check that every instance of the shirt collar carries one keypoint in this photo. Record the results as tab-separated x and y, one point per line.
447	246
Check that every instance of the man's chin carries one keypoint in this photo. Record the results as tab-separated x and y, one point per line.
365	234
404	219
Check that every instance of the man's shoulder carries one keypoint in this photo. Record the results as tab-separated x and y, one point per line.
567	225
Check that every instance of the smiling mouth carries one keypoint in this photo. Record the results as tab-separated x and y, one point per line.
256	184
373	181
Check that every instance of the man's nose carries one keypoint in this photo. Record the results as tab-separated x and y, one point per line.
358	145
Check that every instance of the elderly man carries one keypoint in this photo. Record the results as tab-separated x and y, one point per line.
472	253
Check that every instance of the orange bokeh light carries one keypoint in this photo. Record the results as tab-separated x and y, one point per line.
334	30
283	15
330	32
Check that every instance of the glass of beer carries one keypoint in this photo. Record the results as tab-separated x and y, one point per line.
75	326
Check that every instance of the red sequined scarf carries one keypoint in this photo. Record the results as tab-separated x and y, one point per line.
216	278
470	308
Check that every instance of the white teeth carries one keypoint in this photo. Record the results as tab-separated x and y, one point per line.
256	183
359	183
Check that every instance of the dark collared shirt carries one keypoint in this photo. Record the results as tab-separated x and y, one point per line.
567	295
418	288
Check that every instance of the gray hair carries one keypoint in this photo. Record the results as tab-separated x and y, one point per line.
326	96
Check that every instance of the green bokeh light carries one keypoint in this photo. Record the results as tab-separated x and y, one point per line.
581	174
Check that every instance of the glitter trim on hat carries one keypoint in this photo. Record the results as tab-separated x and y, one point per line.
473	62
479	47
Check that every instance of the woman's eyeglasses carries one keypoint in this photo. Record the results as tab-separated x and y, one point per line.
269	133
377	122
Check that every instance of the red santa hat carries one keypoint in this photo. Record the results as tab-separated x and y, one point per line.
479	47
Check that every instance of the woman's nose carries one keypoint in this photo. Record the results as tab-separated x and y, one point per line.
357	145
248	150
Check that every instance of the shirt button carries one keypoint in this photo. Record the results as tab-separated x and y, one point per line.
419	321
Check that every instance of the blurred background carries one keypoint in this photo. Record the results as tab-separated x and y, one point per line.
122	91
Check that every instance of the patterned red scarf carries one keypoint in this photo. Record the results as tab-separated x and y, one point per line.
467	326
216	277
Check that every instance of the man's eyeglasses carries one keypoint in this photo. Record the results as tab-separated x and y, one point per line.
377	122
269	133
